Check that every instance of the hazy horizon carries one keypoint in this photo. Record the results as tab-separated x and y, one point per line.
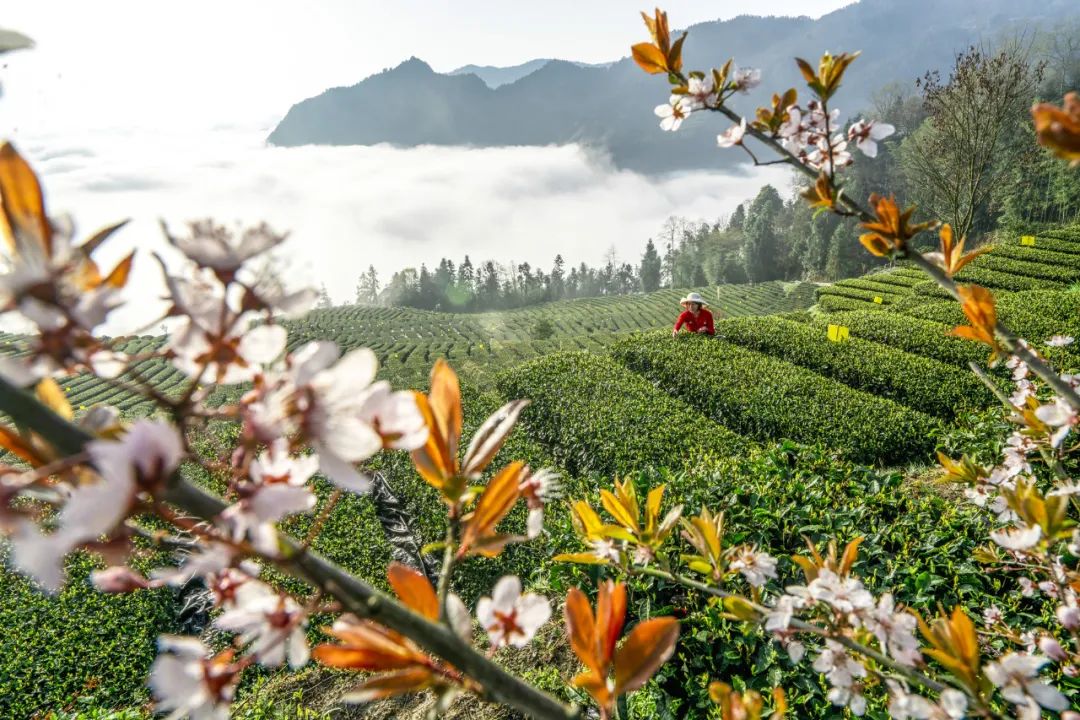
145	112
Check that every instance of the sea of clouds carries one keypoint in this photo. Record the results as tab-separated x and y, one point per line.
348	207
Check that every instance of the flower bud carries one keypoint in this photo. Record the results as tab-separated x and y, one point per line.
1069	617
1051	648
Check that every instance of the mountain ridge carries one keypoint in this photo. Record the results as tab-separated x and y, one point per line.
609	107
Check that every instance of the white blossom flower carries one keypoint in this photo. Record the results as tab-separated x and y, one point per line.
953	705
271	624
1060	340
753	565
188	683
509	617
539	488
701	92
216	247
867	133
1051	648
894	630
992	615
605	549
904	705
778	619
1068	616
1017	674
732	136
395	416
1017	538
1060	415
745	79
673	113
846	595
331	397
143	458
1027	587
203	349
842	672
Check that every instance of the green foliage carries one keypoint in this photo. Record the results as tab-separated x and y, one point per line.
1034	315
918	545
1001	280
858	293
1025	268
910	334
542	329
761	246
765	397
594	415
80	649
918	382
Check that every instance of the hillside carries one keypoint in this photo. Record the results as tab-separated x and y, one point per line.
555	102
714	418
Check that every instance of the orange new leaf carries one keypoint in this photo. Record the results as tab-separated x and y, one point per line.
478	535
581	629
391	684
414	590
445	400
119	276
1059	128
978	306
22	204
659	56
891	229
821	196
367	646
593	639
951	257
649	58
433	460
647	647
826	80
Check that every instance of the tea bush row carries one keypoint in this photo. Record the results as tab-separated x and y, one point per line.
1036	254
1060	272
594	415
765	397
998	280
910	334
912	380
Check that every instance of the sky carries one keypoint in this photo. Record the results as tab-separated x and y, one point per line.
206	63
159	111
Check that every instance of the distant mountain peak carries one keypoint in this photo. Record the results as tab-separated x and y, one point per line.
609	107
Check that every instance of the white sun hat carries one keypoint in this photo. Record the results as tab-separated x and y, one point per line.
693	298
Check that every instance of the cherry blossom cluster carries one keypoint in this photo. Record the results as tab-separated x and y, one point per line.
703	92
312	411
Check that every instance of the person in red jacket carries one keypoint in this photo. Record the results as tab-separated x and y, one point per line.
695	316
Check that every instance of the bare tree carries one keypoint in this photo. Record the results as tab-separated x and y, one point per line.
973	118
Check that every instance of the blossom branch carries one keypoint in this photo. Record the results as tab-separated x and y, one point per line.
355	595
802	626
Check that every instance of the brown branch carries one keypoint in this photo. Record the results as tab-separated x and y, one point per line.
354	594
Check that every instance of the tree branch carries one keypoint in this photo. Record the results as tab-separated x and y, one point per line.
355	595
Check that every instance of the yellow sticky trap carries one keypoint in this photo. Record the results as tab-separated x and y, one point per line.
1027	240
838	333
878	300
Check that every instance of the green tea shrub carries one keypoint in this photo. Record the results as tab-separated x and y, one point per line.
765	397
596	416
918	382
999	280
1026	268
80	648
910	334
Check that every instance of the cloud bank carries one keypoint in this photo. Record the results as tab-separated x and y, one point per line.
348	207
